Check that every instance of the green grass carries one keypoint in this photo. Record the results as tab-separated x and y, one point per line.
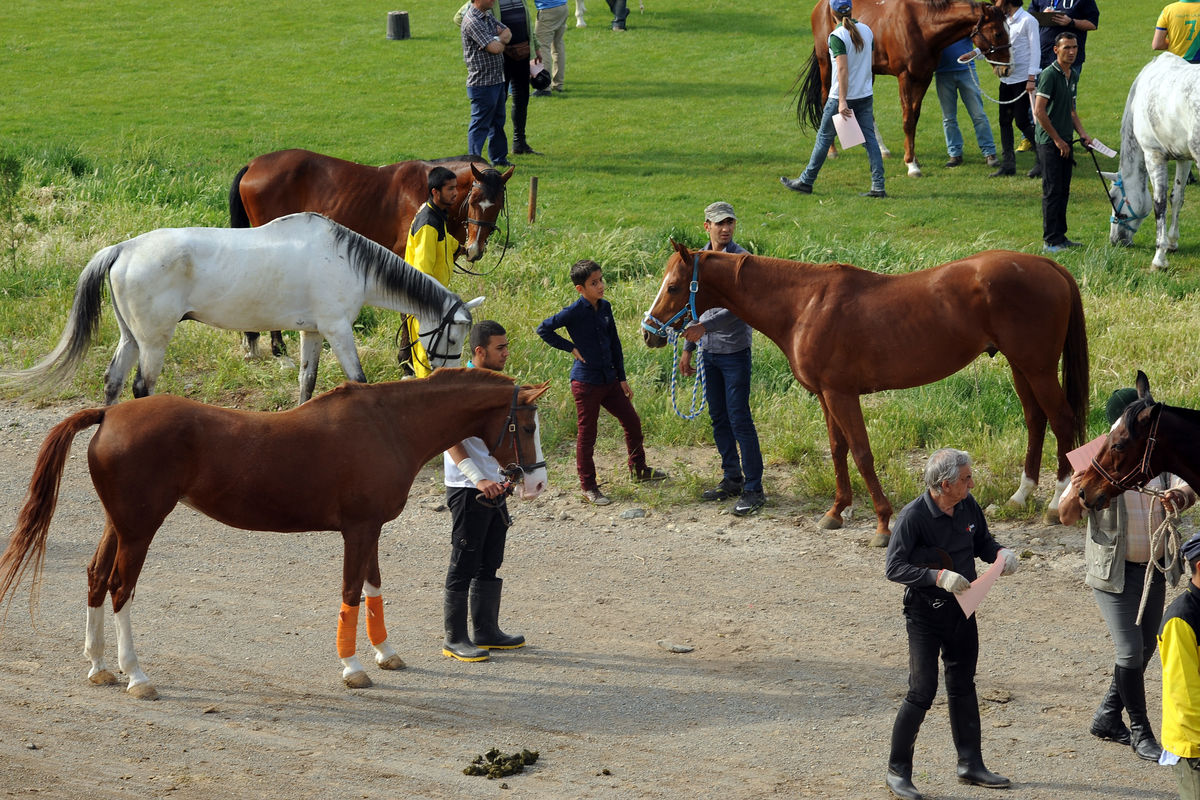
138	117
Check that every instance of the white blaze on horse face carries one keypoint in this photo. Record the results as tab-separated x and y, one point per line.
535	482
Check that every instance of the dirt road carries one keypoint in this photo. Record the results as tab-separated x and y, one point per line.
799	662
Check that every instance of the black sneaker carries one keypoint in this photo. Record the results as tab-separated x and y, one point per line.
873	193
748	503
796	185
723	490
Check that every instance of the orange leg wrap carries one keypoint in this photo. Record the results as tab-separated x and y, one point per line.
347	634
375	630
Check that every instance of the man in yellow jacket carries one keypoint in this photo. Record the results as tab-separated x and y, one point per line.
1181	681
431	249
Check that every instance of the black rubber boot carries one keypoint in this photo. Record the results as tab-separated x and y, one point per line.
904	741
1008	165
1107	723
457	645
485	616
1133	694
964	726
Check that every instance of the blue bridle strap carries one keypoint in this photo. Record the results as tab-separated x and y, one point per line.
1117	217
689	309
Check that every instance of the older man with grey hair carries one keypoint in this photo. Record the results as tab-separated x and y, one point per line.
932	551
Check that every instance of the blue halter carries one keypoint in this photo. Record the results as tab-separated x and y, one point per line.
1123	220
671	334
689	309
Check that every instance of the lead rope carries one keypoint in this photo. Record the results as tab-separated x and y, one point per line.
1166	535
698	386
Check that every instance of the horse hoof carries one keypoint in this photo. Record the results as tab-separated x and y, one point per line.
394	661
914	170
357	680
103	678
1050	517
143	691
829	522
1013	504
881	539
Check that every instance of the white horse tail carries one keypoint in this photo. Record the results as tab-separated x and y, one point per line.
82	325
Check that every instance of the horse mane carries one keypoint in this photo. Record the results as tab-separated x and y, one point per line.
374	262
437	378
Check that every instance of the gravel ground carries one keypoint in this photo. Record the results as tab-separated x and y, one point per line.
797	666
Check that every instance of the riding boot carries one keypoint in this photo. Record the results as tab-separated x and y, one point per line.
1107	723
1036	172
964	727
1008	165
457	645
904	741
485	615
1133	694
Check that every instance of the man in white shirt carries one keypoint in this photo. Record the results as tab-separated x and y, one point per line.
1017	88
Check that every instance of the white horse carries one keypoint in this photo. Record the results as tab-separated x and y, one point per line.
301	272
1161	124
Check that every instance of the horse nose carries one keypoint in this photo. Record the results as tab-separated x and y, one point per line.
475	251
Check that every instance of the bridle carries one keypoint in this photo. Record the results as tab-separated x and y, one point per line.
486	224
439	336
1135	479
1118	218
514	472
978	31
664	329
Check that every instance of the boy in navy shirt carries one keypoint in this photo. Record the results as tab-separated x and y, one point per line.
597	377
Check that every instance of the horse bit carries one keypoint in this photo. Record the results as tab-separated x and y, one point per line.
667	331
1133	480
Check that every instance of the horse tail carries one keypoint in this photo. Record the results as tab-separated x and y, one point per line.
809	105
82	326
238	218
27	545
1075	360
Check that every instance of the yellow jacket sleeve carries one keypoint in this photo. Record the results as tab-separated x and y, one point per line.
1181	688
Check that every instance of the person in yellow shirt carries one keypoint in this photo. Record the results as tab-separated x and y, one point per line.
1181	681
1176	30
430	248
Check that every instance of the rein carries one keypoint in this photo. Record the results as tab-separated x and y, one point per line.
671	334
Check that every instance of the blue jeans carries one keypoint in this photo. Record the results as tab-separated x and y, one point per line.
864	112
727	390
950	86
487	121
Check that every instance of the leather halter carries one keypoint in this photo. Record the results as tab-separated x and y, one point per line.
1135	479
514	471
484	224
978	31
662	328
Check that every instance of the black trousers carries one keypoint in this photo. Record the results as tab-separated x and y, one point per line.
1056	192
516	77
1017	111
939	629
477	538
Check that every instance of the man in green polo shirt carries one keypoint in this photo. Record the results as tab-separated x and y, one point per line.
1057	122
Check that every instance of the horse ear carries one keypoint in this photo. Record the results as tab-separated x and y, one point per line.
476	303
680	248
1143	387
508	174
476	173
531	393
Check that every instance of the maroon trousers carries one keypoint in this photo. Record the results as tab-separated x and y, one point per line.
589	399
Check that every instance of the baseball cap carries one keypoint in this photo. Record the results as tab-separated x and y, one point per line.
1117	402
719	211
1191	548
841	6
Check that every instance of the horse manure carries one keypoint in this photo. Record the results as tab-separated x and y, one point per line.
494	764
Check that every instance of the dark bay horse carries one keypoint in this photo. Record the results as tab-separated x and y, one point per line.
910	36
377	202
302	270
1150	438
344	462
848	332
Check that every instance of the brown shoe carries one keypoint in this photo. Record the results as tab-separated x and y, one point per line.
595	497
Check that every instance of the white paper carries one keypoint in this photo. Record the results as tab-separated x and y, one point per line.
1103	149
971	598
848	131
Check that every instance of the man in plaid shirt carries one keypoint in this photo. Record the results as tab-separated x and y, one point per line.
483	40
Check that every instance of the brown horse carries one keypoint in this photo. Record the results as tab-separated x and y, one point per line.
848	332
1149	439
910	36
377	202
342	462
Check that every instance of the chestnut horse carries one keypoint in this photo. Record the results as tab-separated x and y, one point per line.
910	36
848	332
1149	439
377	202
344	462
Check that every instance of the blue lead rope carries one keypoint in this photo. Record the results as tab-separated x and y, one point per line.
697	387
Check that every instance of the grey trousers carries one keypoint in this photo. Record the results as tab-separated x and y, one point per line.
1135	644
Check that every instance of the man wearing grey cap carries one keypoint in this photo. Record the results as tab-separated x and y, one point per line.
1181	680
725	340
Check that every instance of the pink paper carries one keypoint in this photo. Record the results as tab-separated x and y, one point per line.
1081	457
971	598
848	131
